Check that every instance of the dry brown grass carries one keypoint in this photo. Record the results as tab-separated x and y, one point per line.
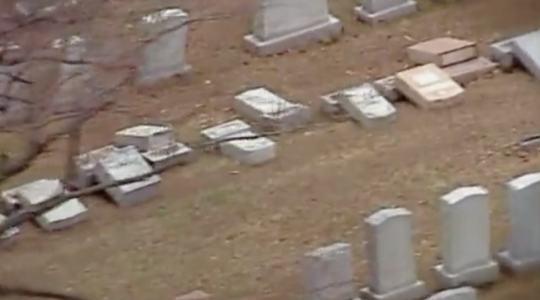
238	232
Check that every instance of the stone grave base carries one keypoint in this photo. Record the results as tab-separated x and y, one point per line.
289	119
515	265
151	77
321	32
417	290
395	12
474	277
126	197
60	225
175	154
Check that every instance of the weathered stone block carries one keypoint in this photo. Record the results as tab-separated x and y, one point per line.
375	11
471	70
169	155
442	52
224	130
253	151
145	137
86	164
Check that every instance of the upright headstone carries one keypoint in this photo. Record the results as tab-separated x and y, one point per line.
522	252
164	56
465	234
375	11
462	293
328	273
284	24
390	254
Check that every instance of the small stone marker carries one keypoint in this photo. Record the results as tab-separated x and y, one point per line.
9	235
442	52
466	239
527	50
375	11
387	87
123	164
471	70
328	273
63	216
429	87
501	52
164	57
392	269
145	137
172	154
224	130
281	25
462	293
365	105
522	252
254	151
264	106
86	164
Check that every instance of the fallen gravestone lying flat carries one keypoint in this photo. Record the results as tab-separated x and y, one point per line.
442	51
429	87
261	105
365	105
86	164
527	50
468	71
145	137
224	130
387	87
123	164
172	154
502	52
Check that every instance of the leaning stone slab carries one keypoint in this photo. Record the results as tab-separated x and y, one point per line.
444	51
63	216
522	252
224	130
86	164
462	293
124	164
266	107
169	155
466	239
145	137
390	256
328	273
281	25
387	87
375	11
253	151
9	235
471	70
365	105
527	50
164	56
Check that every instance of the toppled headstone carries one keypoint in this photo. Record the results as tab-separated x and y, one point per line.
466	239
390	255
328	273
429	87
281	25
86	164
471	70
442	52
253	150
172	154
501	52
461	293
365	105
387	87
123	164
224	130
63	216
145	137
9	235
522	252
375	11
526	49
264	106
164	56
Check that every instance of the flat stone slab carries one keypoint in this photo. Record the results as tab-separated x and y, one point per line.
429	87
224	130
172	154
471	70
266	107
63	216
123	164
373	12
365	105
527	50
387	87
444	51
145	137
86	164
255	151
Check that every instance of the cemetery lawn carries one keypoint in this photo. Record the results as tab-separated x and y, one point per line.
238	232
